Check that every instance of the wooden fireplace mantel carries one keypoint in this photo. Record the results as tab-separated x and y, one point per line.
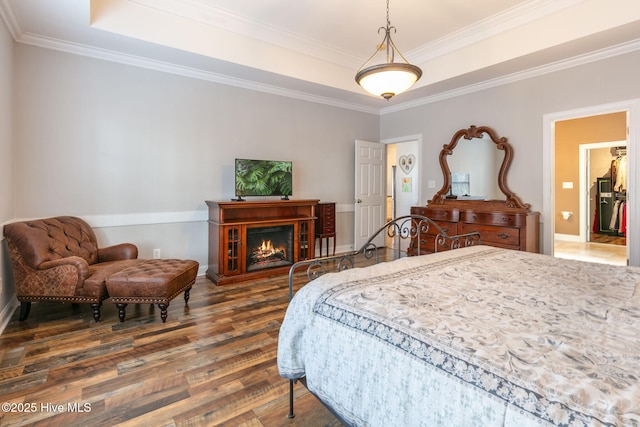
228	225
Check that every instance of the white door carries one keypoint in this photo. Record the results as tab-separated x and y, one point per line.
370	182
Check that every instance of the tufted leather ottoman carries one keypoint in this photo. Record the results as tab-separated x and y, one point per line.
152	281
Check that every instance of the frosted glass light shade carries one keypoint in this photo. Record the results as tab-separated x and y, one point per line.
387	80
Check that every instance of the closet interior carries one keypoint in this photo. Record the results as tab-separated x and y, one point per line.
611	207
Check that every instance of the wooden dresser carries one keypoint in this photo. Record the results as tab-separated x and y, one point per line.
326	224
502	220
499	225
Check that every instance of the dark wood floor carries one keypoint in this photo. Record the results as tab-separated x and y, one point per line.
605	238
212	364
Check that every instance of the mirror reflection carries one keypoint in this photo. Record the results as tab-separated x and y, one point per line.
474	166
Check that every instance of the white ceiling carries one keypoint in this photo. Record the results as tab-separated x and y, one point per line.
311	49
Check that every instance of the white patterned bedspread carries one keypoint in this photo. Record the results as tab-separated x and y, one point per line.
477	336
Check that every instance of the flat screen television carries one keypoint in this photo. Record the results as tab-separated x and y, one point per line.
263	178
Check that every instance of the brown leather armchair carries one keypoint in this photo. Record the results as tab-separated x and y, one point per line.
58	259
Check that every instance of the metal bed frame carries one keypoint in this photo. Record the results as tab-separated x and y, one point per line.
415	228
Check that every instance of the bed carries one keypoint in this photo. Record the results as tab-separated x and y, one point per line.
477	336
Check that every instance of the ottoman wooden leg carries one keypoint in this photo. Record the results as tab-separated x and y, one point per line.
186	295
121	312
96	311
163	312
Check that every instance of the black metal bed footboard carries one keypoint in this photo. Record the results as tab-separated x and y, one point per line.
424	236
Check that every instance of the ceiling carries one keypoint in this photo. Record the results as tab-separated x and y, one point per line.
311	49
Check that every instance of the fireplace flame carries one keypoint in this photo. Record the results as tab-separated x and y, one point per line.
266	250
266	254
266	247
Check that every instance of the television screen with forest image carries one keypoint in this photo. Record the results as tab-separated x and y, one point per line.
263	178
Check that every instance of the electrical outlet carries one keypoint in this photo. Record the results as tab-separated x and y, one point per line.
156	253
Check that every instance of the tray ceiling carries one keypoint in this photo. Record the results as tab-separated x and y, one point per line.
312	50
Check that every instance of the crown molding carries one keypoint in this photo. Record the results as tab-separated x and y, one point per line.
598	55
136	61
10	18
165	67
541	7
205	13
19	36
516	16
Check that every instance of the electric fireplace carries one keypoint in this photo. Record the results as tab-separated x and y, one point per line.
231	224
269	247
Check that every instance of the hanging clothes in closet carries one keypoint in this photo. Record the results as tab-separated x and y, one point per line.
610	210
619	172
619	217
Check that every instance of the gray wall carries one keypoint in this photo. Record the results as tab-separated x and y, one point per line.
6	165
137	152
515	111
107	141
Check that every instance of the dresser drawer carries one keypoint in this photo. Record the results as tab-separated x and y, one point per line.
494	218
504	236
450	228
328	211
326	219
327	229
437	214
428	240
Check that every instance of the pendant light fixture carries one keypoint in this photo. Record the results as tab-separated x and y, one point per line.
390	78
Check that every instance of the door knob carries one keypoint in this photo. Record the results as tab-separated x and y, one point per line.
358	201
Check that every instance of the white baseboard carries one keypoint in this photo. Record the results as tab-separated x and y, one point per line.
339	249
7	312
566	237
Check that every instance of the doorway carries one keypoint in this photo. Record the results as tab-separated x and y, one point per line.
375	196
403	178
601	217
603	192
568	212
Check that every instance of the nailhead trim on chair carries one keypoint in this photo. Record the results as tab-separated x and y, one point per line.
148	300
72	299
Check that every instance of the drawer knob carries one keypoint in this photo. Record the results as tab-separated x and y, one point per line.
503	235
504	219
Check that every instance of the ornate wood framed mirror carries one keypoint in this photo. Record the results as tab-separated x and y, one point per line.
473	170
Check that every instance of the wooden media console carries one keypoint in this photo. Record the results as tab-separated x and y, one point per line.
249	240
